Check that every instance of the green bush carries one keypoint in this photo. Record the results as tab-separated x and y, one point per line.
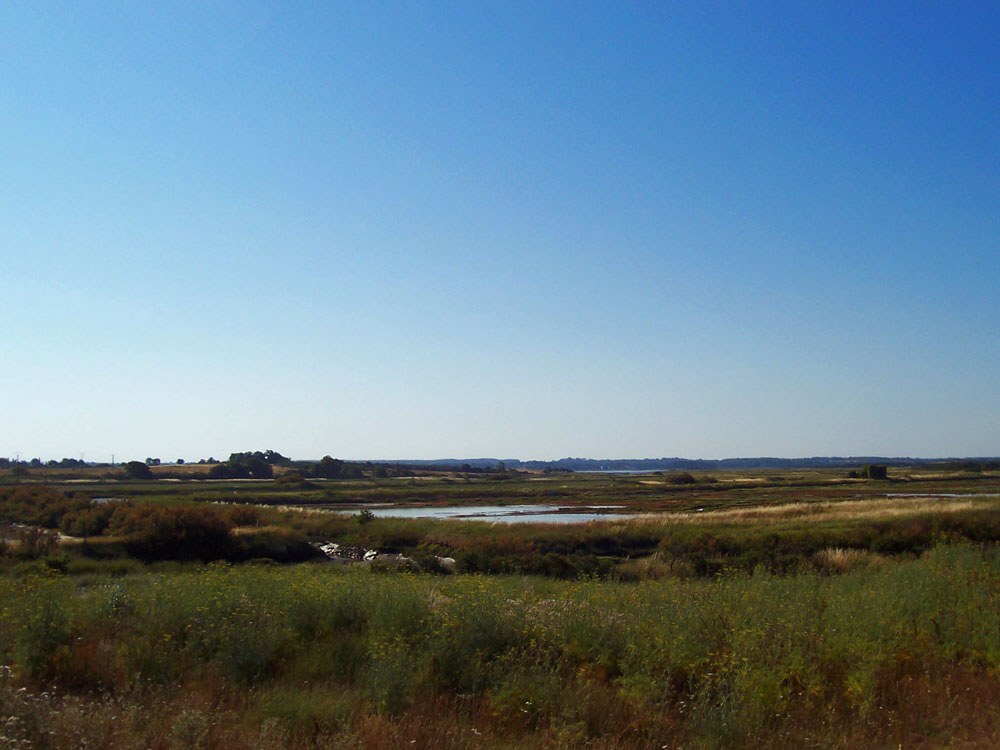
175	533
279	545
682	477
138	470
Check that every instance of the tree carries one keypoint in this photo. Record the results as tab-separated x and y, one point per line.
243	466
138	470
501	471
221	471
259	468
86	522
875	471
329	468
273	457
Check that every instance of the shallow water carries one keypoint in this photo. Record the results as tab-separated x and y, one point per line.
503	513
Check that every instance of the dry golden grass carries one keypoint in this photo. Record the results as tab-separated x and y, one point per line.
844	560
845	510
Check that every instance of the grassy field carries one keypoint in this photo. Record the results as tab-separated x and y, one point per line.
766	609
307	656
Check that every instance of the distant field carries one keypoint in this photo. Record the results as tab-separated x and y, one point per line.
711	521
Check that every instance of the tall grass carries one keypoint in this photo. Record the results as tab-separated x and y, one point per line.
309	652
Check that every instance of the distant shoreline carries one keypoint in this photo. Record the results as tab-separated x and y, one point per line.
697	464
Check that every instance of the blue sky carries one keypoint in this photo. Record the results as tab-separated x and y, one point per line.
416	230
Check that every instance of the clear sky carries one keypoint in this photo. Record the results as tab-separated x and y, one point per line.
515	229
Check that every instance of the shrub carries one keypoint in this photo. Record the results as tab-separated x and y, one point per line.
88	521
138	470
244	515
280	545
875	471
682	477
33	542
37	506
158	533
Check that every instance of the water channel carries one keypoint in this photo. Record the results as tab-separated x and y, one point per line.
505	513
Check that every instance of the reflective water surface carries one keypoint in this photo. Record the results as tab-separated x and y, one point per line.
504	513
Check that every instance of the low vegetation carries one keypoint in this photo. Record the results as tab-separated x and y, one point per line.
244	656
777	610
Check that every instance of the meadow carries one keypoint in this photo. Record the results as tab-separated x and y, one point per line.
794	609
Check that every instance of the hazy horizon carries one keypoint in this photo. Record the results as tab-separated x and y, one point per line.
516	230
223	456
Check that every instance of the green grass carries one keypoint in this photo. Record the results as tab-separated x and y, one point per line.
740	659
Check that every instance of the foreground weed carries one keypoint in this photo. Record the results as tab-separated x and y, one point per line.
315	651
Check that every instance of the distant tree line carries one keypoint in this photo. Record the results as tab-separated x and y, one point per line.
333	468
37	463
261	465
249	465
